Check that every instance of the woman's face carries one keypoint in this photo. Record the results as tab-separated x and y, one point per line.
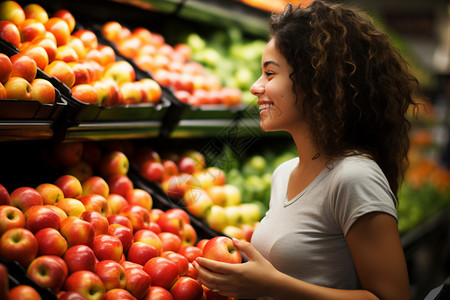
276	99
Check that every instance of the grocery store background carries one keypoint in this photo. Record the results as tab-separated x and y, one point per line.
228	37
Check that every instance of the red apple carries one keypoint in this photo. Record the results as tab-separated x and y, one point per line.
12	11
4	196
107	247
35	11
152	171
97	220
192	272
201	244
71	206
68	154
111	273
60	30
186	288
170	168
17	88
48	271
77	231
140	197
152	89
138	215
39	216
31	29
158	293
85	93
23	291
70	186
4	282
111	30
36	53
25	197
81	71
120	219
155	213
120	71
23	66
67	17
181	261
149	237
49	46
80	257
162	271
221	248
72	295
170	241
96	203
137	282
140	253
190	252
43	91
180	213
171	223
10	32
62	71
61	213
10	217
123	233
5	68
116	203
118	294
19	244
88	37
120	184
187	165
127	265
86	283
113	163
82	170
95	185
51	242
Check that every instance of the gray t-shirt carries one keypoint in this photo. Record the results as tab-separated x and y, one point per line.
305	237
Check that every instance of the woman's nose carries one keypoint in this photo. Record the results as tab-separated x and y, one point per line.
257	88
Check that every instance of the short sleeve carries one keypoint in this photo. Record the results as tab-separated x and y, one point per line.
360	188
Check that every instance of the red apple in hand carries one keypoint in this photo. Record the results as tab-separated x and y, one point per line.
10	217
221	248
80	257
162	271
111	273
48	271
87	284
77	231
25	197
137	282
107	247
123	233
39	216
186	288
51	242
18	244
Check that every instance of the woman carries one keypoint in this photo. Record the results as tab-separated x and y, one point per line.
339	88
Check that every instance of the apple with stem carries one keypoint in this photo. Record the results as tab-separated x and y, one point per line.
48	271
10	217
111	273
86	283
19	244
221	248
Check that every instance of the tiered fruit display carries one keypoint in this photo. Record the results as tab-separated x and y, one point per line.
202	190
171	66
101	237
74	56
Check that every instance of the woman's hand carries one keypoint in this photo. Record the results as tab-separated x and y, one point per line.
251	279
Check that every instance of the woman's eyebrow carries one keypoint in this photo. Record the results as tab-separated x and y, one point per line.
271	62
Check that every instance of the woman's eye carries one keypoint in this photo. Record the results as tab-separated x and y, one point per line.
268	74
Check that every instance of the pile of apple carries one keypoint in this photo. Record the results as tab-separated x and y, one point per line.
89	69
202	190
170	66
101	237
18	80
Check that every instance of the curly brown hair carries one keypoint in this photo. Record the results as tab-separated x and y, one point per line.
356	85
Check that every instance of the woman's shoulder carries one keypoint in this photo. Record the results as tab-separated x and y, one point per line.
356	166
